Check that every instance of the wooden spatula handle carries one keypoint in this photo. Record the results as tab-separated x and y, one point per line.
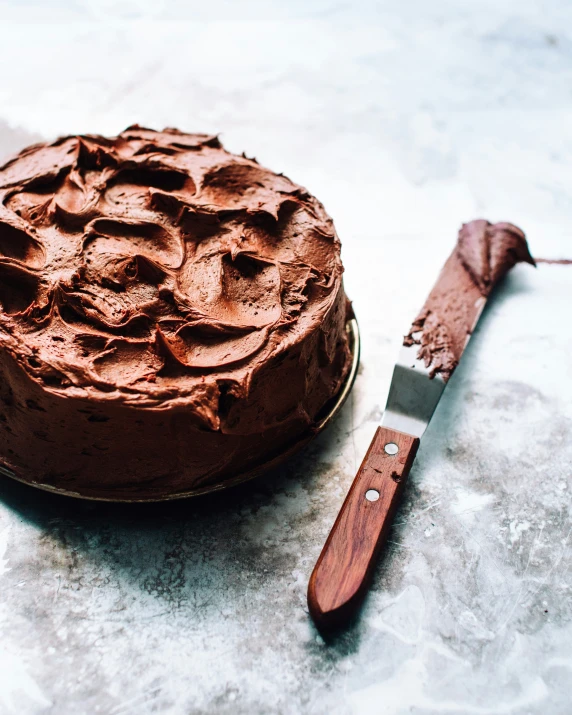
341	575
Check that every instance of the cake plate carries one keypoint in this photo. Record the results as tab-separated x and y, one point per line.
330	410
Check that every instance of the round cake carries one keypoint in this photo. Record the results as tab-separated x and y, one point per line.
171	314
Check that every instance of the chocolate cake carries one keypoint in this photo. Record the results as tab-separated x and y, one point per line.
170	314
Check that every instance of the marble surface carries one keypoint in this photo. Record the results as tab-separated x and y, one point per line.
405	119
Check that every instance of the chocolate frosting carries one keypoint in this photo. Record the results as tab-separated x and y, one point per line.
158	272
484	253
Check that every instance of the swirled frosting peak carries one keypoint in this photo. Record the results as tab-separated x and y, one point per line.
157	266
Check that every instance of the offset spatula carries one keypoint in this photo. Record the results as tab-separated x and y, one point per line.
431	351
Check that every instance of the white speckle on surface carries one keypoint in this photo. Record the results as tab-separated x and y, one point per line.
401	617
405	119
406	691
19	692
4	534
516	528
469	503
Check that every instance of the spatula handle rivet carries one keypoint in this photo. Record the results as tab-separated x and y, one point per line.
391	448
372	495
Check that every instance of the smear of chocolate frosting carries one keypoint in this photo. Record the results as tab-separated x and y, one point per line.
484	253
158	295
555	261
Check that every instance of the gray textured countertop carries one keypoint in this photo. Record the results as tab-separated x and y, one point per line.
405	119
